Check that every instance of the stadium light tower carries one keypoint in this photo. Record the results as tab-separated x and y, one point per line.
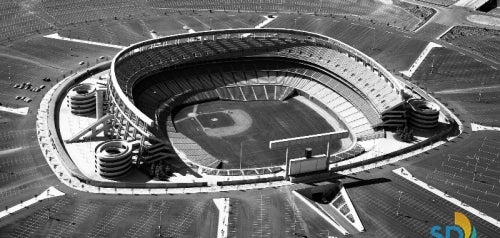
159	225
399	202
241	151
373	41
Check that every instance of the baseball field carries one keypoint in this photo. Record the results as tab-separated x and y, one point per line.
234	130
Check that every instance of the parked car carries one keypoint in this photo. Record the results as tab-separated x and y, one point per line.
18	97
41	86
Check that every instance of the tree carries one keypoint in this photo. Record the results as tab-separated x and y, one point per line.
162	170
152	171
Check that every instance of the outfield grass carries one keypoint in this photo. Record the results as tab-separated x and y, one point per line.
271	120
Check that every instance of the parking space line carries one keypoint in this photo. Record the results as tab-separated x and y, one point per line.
406	175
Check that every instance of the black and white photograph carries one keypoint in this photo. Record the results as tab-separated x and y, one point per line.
250	118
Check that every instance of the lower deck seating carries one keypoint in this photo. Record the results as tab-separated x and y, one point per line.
173	88
354	118
254	92
355	151
370	83
275	84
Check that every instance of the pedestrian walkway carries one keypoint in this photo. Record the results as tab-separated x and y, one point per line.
268	20
222	205
420	59
477	127
58	37
49	193
21	111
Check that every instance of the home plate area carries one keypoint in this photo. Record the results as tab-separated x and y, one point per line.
224	123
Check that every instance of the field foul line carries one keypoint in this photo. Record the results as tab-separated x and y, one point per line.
58	37
406	175
196	118
49	193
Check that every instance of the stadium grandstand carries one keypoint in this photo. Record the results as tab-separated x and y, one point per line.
347	82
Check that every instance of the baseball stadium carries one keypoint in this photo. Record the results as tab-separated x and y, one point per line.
289	118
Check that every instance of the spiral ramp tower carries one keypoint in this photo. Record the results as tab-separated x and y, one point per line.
113	158
423	114
82	99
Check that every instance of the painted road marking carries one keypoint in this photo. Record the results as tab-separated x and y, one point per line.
21	111
405	174
49	193
222	205
477	127
420	59
58	37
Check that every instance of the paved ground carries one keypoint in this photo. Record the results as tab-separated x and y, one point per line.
258	213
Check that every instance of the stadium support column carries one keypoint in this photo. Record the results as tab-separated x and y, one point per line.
114	123
127	132
134	133
141	150
99	104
